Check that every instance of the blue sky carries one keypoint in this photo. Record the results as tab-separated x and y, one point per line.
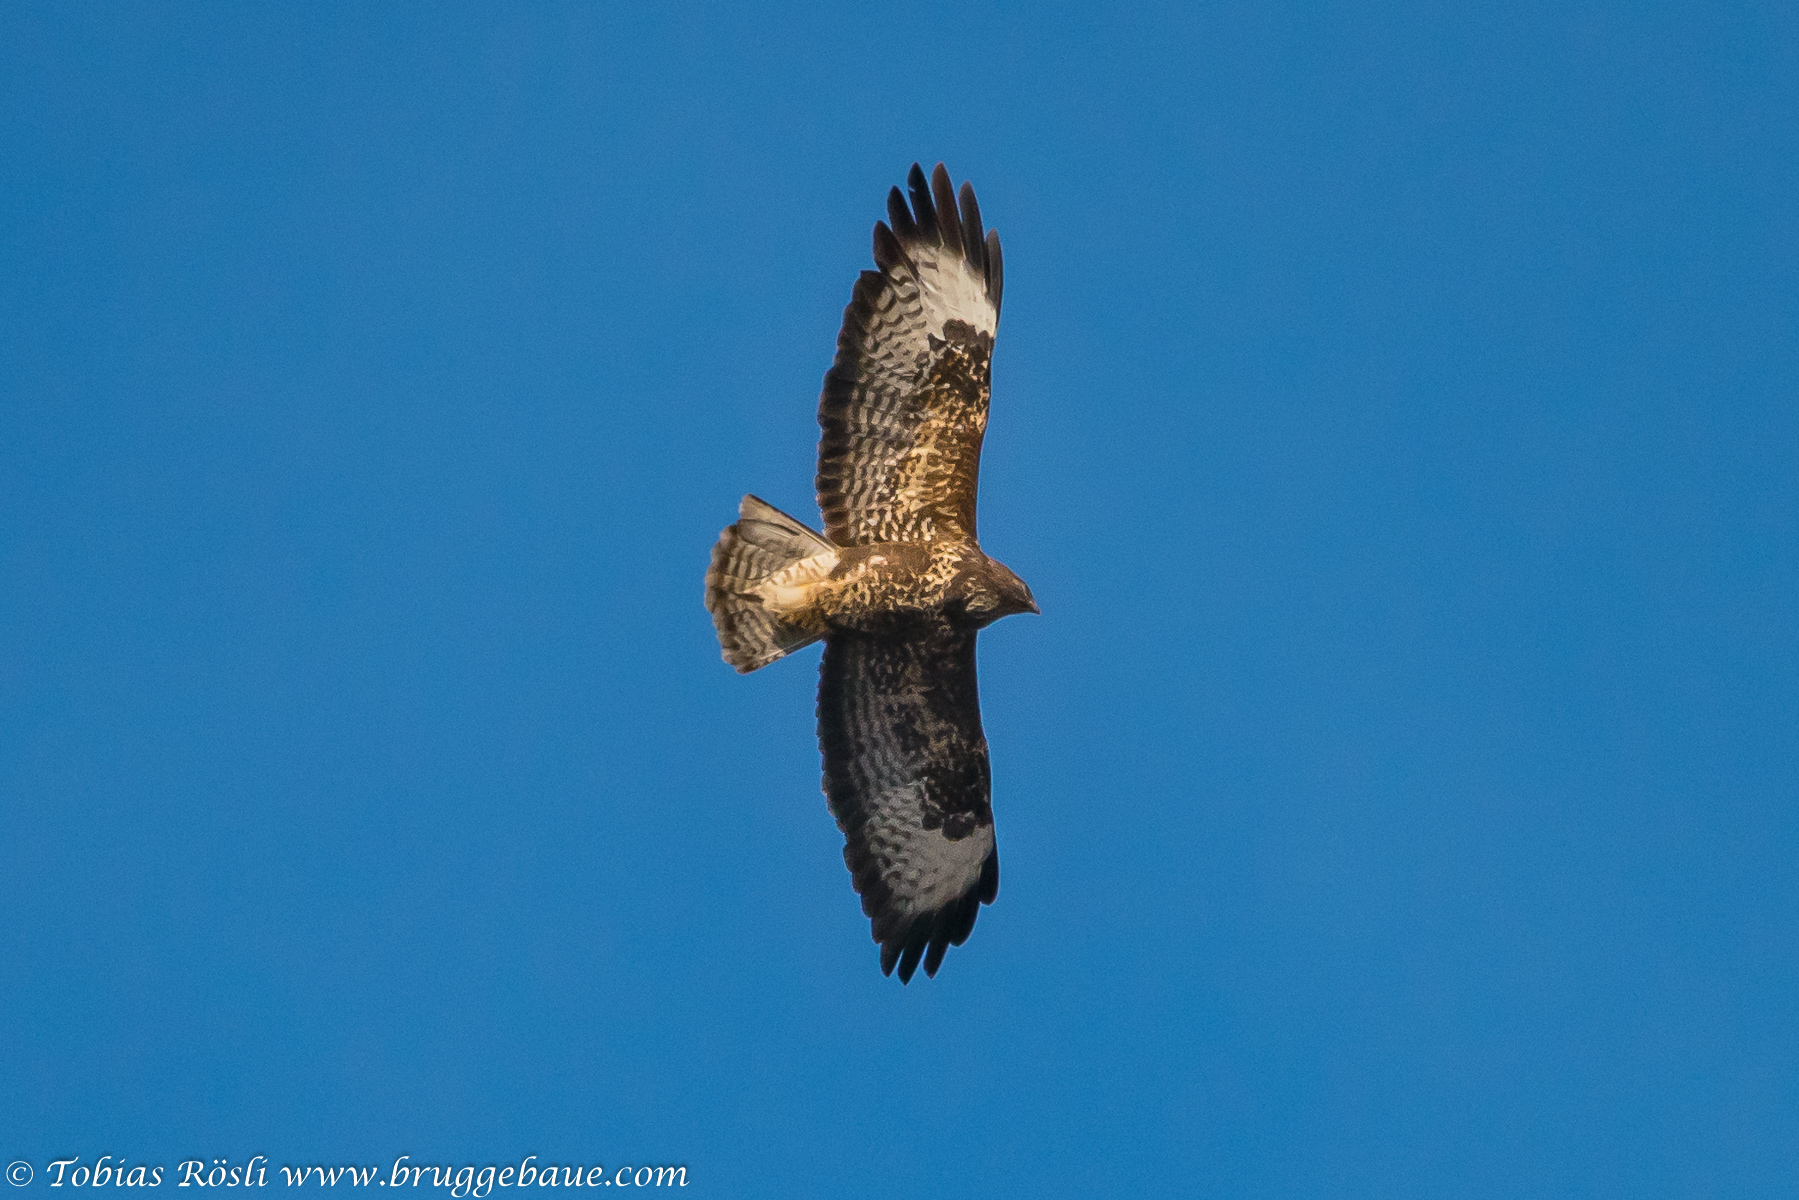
1394	415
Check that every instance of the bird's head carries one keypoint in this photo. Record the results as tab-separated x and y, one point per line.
993	591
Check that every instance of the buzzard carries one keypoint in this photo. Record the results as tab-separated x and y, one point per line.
897	585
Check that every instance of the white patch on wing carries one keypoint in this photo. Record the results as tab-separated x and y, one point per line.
925	869
951	290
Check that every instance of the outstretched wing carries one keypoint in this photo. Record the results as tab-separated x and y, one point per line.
899	721
905	402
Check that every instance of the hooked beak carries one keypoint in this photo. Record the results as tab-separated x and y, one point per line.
1034	608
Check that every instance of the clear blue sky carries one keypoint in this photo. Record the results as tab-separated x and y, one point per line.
1395	413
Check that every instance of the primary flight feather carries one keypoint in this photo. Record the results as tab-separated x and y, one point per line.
897	585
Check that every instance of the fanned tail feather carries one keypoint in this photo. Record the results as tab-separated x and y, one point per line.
764	540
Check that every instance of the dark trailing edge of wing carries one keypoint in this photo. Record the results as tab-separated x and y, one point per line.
996	278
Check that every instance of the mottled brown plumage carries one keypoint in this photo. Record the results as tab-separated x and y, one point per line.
898	587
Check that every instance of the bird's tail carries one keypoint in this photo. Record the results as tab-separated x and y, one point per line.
741	584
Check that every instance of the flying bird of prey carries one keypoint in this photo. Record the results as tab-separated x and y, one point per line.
897	586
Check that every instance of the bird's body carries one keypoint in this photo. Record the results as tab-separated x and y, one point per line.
880	588
897	586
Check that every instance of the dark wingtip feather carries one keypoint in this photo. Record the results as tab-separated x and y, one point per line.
972	247
888	252
924	212
934	956
995	269
960	922
916	941
900	215
944	194
928	936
